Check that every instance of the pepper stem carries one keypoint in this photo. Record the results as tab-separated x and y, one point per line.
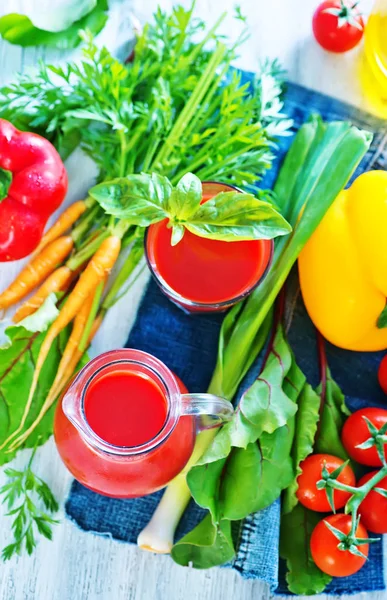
5	182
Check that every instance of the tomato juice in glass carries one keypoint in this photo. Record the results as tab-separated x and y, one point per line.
126	425
200	274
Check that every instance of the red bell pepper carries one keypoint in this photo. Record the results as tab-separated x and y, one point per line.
33	184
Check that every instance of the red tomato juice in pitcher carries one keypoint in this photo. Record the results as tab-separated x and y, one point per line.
116	428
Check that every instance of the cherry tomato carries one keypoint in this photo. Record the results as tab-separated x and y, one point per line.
373	509
307	492
382	374
337	25
326	554
355	431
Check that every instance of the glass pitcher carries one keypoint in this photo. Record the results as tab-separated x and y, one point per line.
90	436
374	63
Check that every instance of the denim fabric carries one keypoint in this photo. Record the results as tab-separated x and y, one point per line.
188	345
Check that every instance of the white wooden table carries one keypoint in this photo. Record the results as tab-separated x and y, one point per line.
82	566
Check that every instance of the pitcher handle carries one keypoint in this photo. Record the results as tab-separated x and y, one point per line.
212	411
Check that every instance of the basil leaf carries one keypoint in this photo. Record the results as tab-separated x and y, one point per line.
235	216
177	234
306	421
332	419
303	577
186	197
5	182
19	29
139	199
207	545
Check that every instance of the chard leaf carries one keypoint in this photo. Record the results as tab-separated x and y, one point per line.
264	407
139	199
233	216
17	365
253	478
43	317
306	421
303	577
186	197
332	419
248	463
19	29
207	545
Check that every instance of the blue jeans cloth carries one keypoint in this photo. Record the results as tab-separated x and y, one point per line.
188	345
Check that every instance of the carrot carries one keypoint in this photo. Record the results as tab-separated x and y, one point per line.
61	383
64	222
97	269
36	271
57	281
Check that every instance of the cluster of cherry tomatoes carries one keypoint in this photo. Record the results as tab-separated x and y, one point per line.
373	508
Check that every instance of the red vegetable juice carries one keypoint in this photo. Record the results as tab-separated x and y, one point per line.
125	408
118	429
203	274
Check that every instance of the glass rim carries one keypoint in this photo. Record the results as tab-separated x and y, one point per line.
223	304
131	357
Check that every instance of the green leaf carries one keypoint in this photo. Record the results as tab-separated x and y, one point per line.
186	197
332	419
255	477
19	29
5	182
139	199
306	421
264	407
235	216
43	317
303	576
248	463
382	320
205	546
17	364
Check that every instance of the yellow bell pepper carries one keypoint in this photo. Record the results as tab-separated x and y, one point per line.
343	267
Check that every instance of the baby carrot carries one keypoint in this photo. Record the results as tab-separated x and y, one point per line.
61	383
64	222
97	269
36	271
57	281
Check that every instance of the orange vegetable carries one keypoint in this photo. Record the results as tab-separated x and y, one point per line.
36	271
64	222
97	269
59	280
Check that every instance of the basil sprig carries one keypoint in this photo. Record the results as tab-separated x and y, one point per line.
144	199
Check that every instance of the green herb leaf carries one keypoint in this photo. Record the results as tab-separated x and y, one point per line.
19	29
382	320
186	197
139	199
32	492
332	419
233	216
43	317
306	421
5	182
303	576
207	545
